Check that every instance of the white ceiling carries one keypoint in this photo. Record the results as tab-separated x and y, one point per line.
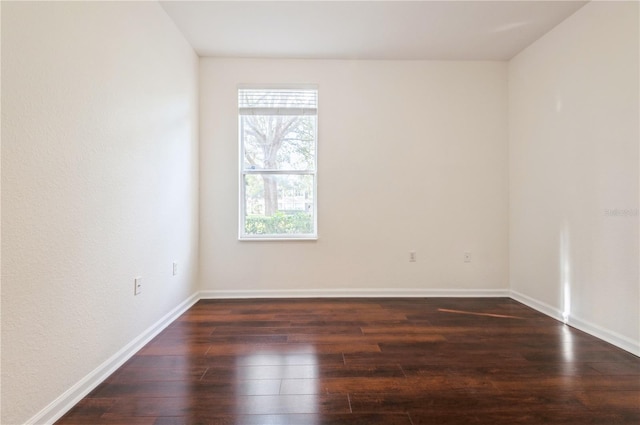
446	30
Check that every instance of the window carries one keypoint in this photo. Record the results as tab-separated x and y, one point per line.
278	163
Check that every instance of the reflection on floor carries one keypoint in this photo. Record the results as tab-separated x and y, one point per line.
368	361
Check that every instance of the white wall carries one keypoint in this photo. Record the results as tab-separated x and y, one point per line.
574	132
0	219
99	184
412	156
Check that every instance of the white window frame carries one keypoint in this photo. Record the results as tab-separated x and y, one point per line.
242	235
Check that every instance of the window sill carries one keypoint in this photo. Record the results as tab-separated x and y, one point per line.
276	238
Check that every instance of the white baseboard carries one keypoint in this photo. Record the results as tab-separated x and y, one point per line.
537	305
353	293
607	335
61	405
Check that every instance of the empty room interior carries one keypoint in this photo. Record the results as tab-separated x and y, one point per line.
320	212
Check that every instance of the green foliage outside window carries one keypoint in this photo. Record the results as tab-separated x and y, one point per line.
279	223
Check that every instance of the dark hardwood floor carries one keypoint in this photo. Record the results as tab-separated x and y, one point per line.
368	361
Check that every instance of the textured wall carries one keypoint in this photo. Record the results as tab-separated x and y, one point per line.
412	156
99	184
574	135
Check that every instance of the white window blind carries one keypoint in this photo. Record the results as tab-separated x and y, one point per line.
277	102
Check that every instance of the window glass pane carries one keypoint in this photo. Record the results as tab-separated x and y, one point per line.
278	142
279	204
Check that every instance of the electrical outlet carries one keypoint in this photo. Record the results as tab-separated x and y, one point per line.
467	257
175	268
137	286
412	256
